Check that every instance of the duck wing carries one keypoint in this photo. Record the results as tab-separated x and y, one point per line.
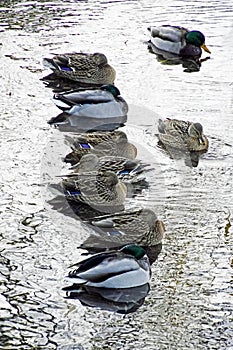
94	138
178	127
131	223
73	60
173	126
82	97
117	164
168	32
106	110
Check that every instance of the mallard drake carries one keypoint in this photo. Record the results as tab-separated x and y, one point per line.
124	268
103	105
139	225
100	190
82	67
112	143
178	40
182	135
103	95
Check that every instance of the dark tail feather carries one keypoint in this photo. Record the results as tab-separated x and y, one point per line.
60	118
50	63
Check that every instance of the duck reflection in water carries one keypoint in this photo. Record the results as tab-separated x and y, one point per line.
191	64
123	301
64	122
191	159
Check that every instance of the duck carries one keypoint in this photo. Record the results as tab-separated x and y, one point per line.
97	138
126	267
86	68
130	172
140	225
182	135
103	104
178	40
125	169
101	190
104	94
111	143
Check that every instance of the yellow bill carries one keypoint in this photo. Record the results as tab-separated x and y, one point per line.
204	47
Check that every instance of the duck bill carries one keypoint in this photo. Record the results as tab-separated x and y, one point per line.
204	47
201	140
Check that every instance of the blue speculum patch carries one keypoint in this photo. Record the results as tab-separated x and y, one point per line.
68	69
85	145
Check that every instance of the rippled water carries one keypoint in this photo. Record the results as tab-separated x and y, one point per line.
190	301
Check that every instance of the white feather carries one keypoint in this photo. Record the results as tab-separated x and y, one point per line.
102	110
166	45
126	280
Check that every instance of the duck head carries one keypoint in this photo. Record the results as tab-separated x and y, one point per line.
112	89
194	37
109	178
136	251
99	58
196	131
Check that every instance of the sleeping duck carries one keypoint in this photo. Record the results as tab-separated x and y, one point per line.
82	67
126	169
127	267
111	143
102	190
103	104
140	226
178	40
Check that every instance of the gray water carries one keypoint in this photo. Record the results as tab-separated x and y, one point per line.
189	305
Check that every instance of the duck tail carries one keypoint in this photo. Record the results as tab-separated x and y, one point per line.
59	62
50	63
161	126
61	102
154	31
59	119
